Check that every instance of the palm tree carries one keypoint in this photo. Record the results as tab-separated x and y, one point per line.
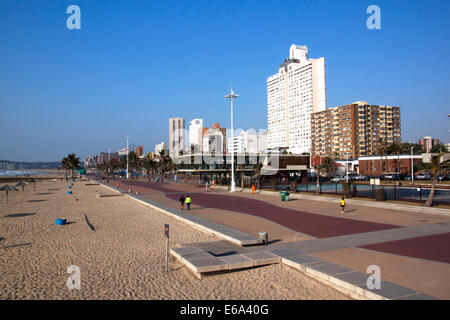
164	163
436	167
381	150
257	170
327	166
149	165
71	163
395	148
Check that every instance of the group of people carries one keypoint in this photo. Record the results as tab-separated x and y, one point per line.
186	200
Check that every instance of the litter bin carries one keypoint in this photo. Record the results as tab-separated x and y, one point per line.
284	195
264	237
60	221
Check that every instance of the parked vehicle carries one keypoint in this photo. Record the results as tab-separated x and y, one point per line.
423	176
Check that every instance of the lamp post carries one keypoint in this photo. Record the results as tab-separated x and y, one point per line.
412	165
127	157
232	96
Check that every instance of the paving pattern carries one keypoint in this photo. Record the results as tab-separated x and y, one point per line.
426	241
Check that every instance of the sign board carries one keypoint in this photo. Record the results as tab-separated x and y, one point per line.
166	230
374	182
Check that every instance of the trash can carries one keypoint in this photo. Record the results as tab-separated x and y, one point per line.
60	221
284	195
264	237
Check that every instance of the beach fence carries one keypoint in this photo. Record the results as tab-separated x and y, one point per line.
417	193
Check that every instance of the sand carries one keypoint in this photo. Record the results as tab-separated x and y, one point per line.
123	258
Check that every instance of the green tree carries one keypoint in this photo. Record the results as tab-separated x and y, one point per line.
328	167
381	149
71	163
436	167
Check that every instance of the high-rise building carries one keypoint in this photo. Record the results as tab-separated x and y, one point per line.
160	147
176	137
296	91
213	141
107	156
428	143
196	134
248	142
140	151
354	130
216	128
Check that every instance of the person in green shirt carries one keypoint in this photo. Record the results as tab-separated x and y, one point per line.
188	202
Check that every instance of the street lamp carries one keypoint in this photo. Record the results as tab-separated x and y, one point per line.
232	96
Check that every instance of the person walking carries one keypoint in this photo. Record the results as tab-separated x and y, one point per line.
188	202
342	205
182	199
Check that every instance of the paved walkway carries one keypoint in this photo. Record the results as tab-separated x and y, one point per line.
418	243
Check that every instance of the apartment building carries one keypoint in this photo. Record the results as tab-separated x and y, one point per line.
176	137
354	130
293	93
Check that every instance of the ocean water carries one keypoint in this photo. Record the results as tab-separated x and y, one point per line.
15	173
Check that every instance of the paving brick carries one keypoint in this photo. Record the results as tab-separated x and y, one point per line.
417	296
389	290
236	261
331	268
355	278
301	259
262	258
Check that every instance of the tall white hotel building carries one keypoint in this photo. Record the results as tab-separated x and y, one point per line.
296	91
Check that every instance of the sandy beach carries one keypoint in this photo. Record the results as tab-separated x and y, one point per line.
123	258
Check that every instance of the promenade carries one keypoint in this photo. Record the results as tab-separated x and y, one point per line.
412	249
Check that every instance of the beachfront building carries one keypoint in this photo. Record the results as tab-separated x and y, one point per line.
160	147
176	137
428	143
140	151
123	153
196	134
215	129
213	141
276	168
107	156
354	130
296	91
89	162
376	165
248	142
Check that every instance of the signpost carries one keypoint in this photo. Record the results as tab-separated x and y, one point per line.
166	233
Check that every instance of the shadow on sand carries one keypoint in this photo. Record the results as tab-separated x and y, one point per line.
17	245
19	215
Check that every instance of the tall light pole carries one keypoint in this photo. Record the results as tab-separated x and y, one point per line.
412	165
232	96
127	156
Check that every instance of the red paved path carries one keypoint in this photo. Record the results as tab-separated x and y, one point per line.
434	247
319	226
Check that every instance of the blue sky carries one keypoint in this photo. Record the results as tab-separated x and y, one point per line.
134	64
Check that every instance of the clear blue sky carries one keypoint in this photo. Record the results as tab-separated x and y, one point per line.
134	64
